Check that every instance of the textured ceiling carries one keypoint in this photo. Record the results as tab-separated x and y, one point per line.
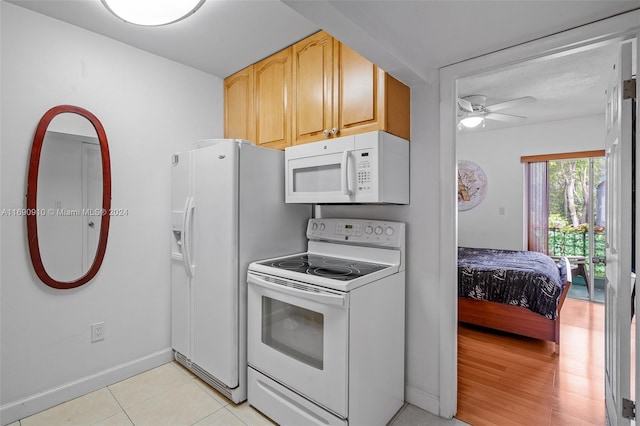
572	85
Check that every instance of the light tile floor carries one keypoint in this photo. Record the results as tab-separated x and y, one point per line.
171	395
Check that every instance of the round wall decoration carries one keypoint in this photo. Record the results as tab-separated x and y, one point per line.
472	185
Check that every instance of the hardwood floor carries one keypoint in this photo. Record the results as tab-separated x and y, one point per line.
505	379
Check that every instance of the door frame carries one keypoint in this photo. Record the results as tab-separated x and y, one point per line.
612	30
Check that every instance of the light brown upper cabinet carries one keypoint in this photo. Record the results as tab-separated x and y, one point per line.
368	98
272	100
316	89
338	92
313	70
238	105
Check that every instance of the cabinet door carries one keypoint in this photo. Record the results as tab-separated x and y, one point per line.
313	88
272	90
238	105
361	94
397	108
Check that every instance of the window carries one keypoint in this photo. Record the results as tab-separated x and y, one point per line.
561	190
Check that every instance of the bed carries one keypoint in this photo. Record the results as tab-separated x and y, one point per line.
519	292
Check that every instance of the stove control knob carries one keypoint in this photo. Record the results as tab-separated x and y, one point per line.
378	230
368	229
322	226
314	226
389	231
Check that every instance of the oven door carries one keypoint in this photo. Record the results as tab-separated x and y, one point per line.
298	335
320	172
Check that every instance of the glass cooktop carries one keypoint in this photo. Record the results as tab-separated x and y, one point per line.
325	266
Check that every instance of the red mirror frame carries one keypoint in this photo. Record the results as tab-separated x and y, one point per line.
32	196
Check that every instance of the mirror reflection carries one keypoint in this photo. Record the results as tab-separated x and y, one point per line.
70	192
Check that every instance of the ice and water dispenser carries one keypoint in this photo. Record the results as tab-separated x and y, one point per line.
177	228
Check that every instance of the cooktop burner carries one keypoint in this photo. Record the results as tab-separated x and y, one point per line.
325	266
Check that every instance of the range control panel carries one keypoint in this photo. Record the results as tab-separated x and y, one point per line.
363	231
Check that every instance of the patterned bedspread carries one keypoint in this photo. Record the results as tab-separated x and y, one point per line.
523	278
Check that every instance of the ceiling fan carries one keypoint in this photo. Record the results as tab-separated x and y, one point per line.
473	110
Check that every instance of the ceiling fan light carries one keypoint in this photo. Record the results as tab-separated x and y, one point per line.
472	121
152	12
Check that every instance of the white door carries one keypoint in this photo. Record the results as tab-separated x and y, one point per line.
618	248
92	200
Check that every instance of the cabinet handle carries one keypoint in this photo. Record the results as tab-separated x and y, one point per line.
325	132
335	130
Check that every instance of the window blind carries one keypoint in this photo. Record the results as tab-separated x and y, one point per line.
538	208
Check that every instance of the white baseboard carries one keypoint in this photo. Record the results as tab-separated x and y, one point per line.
35	403
422	399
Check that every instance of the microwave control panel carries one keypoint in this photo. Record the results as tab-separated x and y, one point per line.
364	160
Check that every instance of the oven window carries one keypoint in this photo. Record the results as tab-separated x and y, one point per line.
294	331
317	179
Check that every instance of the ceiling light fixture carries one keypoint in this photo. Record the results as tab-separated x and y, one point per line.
472	121
152	12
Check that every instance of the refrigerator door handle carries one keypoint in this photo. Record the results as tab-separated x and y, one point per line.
186	248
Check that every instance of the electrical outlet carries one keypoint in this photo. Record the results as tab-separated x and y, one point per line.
97	332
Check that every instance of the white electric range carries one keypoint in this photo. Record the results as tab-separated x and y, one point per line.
326	327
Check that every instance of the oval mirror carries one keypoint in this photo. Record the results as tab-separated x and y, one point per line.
68	197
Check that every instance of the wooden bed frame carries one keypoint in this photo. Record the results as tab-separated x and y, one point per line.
514	319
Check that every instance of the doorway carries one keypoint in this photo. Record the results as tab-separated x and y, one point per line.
577	222
500	222
613	30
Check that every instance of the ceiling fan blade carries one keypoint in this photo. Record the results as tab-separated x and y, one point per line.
510	104
505	117
465	105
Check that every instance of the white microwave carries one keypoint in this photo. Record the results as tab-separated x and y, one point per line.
370	167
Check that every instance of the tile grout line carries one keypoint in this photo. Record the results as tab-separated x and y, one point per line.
120	405
237	417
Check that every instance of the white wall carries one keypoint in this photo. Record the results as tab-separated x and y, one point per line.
149	107
422	217
498	153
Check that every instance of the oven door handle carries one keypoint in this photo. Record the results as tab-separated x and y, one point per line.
316	295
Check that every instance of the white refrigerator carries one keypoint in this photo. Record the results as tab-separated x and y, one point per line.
227	209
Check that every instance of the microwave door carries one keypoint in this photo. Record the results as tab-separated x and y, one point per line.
321	177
